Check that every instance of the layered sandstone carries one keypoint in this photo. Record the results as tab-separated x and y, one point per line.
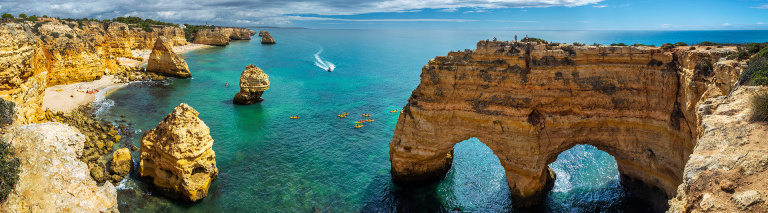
24	69
73	58
263	33
52	178
211	37
164	61
267	40
727	170
177	155
253	83
529	103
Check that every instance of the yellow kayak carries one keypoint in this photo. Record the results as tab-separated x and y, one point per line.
294	117
358	126
393	111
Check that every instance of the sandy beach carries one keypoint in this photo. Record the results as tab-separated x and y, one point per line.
181	49
68	97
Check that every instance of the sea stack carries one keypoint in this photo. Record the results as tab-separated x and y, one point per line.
267	40
177	155
263	33
253	82
165	62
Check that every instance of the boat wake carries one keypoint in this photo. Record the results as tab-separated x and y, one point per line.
325	65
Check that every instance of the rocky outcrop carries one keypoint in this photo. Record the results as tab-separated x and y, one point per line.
236	33
727	170
267	40
263	33
253	83
529	103
177	155
73	58
52	178
23	71
165	62
211	37
121	163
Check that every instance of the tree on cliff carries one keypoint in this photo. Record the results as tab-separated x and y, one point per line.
7	15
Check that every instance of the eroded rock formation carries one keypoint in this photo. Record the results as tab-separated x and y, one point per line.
220	36
121	163
529	103
267	40
23	71
253	83
263	33
52	178
165	62
177	155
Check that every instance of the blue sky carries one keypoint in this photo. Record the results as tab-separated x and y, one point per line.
430	14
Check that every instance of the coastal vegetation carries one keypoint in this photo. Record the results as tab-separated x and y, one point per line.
759	104
757	71
190	30
10	167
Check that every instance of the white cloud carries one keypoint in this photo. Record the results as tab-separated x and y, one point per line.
272	12
762	6
600	6
760	23
727	25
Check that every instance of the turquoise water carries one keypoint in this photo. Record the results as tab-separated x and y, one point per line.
270	163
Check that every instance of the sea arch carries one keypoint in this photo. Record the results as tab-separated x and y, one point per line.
530	103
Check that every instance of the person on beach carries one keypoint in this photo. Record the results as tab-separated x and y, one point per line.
226	84
515	38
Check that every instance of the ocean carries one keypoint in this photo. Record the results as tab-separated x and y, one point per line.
270	163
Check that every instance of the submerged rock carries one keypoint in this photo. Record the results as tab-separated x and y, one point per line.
253	83
52	179
267	40
177	155
165	62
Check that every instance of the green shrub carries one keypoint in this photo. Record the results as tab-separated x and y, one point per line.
639	45
7	15
692	48
680	44
709	48
70	36
757	71
759	104
707	43
22	15
55	34
7	112
531	39
577	44
619	44
667	46
10	167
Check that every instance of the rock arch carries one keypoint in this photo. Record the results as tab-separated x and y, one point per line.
635	103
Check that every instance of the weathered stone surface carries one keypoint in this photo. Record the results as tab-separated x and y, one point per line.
52	178
267	40
121	163
165	62
263	33
177	155
211	37
727	170
529	103
23	71
253	83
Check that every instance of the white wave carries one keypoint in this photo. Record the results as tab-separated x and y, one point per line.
325	65
101	104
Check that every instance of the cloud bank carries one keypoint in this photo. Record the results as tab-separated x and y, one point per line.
262	12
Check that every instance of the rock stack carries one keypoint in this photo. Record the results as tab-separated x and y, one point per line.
165	62
177	155
253	82
211	37
263	33
267	40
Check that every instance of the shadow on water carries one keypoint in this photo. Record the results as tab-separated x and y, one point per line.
386	196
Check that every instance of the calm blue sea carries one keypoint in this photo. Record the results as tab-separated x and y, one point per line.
270	163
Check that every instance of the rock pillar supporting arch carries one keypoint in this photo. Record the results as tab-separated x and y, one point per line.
623	101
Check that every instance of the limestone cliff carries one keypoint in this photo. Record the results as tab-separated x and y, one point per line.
52	178
530	102
23	71
727	170
73	58
253	83
177	155
267	40
164	61
211	37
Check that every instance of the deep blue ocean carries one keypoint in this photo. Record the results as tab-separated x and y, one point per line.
270	163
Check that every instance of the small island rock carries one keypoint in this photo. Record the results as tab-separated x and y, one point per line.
253	83
121	162
263	33
267	40
177	155
165	62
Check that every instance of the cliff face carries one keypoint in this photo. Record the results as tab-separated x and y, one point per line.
177	156
529	103
220	36
253	83
727	170
23	71
52	178
74	59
